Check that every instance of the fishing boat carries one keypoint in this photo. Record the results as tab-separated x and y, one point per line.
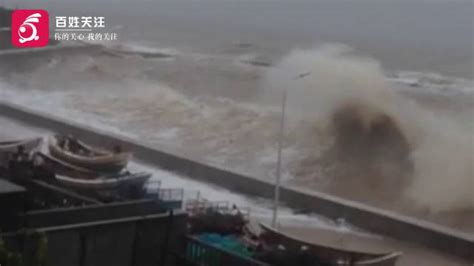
60	167
328	251
81	178
75	152
9	147
27	144
104	182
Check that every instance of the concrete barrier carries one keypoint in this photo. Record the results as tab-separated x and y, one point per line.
370	218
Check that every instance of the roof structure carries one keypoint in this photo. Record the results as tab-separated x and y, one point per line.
8	187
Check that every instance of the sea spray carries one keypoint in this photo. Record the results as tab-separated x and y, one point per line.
378	136
243	136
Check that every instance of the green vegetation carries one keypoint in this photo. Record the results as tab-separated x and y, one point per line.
9	258
41	248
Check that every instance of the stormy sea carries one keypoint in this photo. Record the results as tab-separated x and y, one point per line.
380	100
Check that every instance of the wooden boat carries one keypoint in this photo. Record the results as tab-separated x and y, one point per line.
60	167
330	253
105	183
77	153
9	147
12	146
77	177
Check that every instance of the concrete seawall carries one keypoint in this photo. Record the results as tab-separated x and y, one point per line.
373	219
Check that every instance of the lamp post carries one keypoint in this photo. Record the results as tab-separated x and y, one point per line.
280	148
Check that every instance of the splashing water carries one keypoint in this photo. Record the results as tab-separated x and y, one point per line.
395	144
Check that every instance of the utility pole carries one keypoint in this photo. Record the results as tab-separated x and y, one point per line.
280	148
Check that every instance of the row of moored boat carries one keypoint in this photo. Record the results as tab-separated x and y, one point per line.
75	163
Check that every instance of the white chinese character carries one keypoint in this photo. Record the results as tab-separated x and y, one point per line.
65	36
98	36
57	37
99	22
60	22
73	22
86	22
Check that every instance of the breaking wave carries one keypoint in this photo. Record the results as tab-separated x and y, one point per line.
376	136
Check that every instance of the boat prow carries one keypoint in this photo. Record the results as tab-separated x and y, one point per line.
326	250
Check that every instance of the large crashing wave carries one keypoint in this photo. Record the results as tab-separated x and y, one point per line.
375	132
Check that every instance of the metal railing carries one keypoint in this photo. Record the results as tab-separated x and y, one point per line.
195	207
199	253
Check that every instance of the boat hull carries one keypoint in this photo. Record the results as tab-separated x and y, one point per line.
329	254
100	161
103	183
60	167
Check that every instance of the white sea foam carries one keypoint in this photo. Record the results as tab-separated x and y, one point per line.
232	134
433	83
441	151
260	209
144	48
